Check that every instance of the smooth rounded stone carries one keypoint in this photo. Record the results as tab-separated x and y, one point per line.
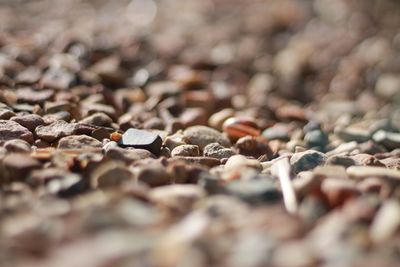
30	96
17	146
388	85
186	151
387	139
203	135
316	138
215	150
344	161
277	132
312	126
110	174
78	142
12	130
371	148
386	222
254	191
141	139
217	119
350	133
109	145
239	162
102	133
6	114
367	160
153	175
369	171
98	119
29	121
17	166
55	131
174	140
180	197
307	160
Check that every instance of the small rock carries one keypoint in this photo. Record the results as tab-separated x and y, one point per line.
206	161
102	133
12	130
6	113
217	119
277	132
174	140
154	175
30	96
338	190
17	166
78	142
369	171
307	160
98	119
386	222
179	197
387	139
388	86
316	138
203	135
344	161
366	160
127	155
215	150
353	133
186	151
55	131
17	146
391	163
141	139
255	191
110	174
29	121
238	162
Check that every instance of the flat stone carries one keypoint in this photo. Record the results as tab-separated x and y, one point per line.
350	133
141	139
17	166
30	96
203	135
29	121
110	174
344	161
12	130
55	131
254	191
78	142
98	119
240	162
307	160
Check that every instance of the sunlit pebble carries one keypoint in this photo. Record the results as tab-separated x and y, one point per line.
141	12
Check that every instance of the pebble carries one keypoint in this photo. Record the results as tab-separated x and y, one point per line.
28	95
307	160
203	135
78	142
339	190
215	150
98	119
110	174
153	175
387	139
388	86
366	160
349	134
17	146
17	166
206	161
369	171
238	162
217	119
141	139
180	197
277	132
186	151
55	131
12	130
386	222
29	121
236	128
316	138
344	161
255	191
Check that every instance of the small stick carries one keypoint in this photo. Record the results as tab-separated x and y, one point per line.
281	169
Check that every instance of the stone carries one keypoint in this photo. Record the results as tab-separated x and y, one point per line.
388	85
203	135
153	175
141	139
110	174
344	161
180	197
386	222
17	146
186	151
353	133
366	160
12	130
102	133
277	132
126	155
30	96
215	150
307	160
316	138
55	131
78	142
369	171
98	119
387	139
206	161
17	166
255	191
29	121
238	162
217	119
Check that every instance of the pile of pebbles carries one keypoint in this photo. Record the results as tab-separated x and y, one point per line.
237	133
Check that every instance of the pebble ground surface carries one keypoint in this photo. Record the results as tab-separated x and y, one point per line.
225	133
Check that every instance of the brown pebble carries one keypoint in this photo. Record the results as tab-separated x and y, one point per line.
236	128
